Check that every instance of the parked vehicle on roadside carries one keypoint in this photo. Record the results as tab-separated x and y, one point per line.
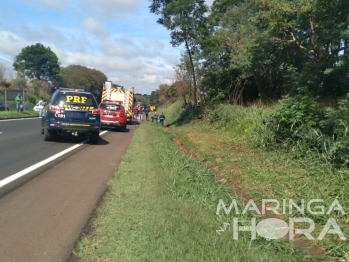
113	114
71	111
121	95
3	107
39	106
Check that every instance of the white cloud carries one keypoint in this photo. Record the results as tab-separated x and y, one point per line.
110	9
43	33
11	44
93	25
57	4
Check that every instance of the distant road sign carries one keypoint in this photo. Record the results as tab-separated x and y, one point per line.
11	94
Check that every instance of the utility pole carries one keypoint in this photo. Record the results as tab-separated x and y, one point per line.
5	98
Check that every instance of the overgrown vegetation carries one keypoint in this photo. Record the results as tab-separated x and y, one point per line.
302	125
247	50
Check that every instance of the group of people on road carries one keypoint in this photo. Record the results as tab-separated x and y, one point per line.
138	113
20	106
157	117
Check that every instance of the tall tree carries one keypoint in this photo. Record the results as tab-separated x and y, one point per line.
37	61
186	21
228	52
182	85
77	76
184	80
154	98
277	46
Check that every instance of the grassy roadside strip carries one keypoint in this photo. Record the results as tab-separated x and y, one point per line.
15	114
161	207
269	174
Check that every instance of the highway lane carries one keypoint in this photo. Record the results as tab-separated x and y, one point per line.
41	220
22	145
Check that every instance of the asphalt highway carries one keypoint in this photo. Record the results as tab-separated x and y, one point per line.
42	218
22	145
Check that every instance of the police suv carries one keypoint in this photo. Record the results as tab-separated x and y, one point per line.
71	111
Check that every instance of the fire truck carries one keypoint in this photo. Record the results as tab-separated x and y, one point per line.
120	95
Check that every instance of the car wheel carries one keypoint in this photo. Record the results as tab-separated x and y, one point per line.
48	135
94	137
123	128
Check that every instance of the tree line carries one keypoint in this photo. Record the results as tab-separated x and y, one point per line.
236	51
242	50
41	65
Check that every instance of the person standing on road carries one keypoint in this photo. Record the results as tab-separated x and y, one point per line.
140	114
19	100
40	108
146	111
162	118
135	112
155	117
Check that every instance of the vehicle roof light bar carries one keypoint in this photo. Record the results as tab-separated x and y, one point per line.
71	89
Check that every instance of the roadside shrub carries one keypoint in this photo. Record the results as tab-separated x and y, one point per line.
31	99
176	114
300	124
214	114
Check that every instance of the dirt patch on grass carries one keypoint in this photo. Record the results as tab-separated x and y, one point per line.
185	149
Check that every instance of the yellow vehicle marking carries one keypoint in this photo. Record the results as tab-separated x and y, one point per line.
72	124
76	99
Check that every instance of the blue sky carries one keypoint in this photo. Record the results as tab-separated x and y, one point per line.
118	37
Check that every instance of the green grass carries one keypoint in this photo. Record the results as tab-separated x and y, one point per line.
12	113
162	201
161	206
232	153
15	114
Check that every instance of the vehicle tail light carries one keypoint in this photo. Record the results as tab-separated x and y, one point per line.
95	112
53	108
56	109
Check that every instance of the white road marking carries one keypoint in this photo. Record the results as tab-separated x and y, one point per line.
24	172
16	119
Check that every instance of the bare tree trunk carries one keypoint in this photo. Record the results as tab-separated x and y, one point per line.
194	78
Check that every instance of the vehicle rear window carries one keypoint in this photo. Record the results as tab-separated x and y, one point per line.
109	107
68	100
